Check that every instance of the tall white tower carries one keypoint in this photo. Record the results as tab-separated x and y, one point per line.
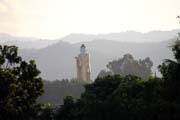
83	64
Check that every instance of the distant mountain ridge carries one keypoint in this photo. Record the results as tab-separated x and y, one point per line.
25	42
129	36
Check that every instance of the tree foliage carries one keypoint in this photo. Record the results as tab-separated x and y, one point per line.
128	65
20	85
112	97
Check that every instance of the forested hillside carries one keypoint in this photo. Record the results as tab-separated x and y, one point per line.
56	91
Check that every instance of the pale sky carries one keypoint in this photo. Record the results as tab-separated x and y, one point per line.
58	18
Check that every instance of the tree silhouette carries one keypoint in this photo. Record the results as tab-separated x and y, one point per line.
128	65
170	70
20	85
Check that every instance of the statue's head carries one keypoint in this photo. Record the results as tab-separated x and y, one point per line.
83	49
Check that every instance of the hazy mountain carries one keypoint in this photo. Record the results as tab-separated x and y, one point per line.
25	42
129	36
57	61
